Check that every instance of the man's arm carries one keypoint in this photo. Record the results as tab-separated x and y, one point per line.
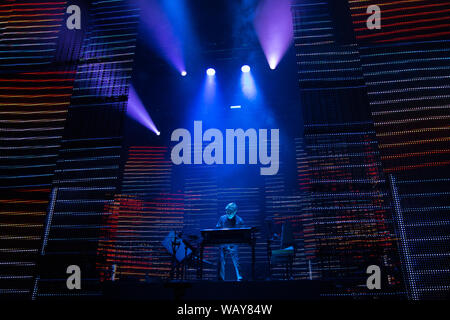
219	223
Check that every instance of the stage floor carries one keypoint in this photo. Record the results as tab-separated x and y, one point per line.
216	290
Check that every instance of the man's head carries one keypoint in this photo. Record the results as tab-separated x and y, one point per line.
231	210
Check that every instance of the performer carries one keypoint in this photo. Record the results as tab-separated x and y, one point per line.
229	221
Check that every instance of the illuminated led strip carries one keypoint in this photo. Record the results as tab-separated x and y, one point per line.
423	98
418	166
416	142
426	14
410	110
397	71
395	122
404	23
400	133
415	154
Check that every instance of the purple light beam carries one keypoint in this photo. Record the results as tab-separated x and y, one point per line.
162	34
137	111
273	25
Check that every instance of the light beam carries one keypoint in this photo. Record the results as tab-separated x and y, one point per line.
137	111
273	25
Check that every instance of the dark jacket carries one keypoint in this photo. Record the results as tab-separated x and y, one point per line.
224	222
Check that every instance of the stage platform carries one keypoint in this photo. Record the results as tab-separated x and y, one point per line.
216	290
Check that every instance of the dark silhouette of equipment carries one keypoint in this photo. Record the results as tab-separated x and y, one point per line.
213	237
184	253
284	252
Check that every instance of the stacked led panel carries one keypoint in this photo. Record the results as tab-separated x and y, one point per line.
141	216
349	225
87	171
34	96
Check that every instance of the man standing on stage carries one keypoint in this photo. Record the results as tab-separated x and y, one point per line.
229	221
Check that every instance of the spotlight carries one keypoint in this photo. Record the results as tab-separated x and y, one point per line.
158	133
273	63
210	72
245	69
183	73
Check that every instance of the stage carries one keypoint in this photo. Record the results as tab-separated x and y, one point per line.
215	290
149	140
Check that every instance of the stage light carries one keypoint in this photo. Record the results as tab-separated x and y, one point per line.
235	107
248	85
272	64
158	133
183	73
245	69
211	72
